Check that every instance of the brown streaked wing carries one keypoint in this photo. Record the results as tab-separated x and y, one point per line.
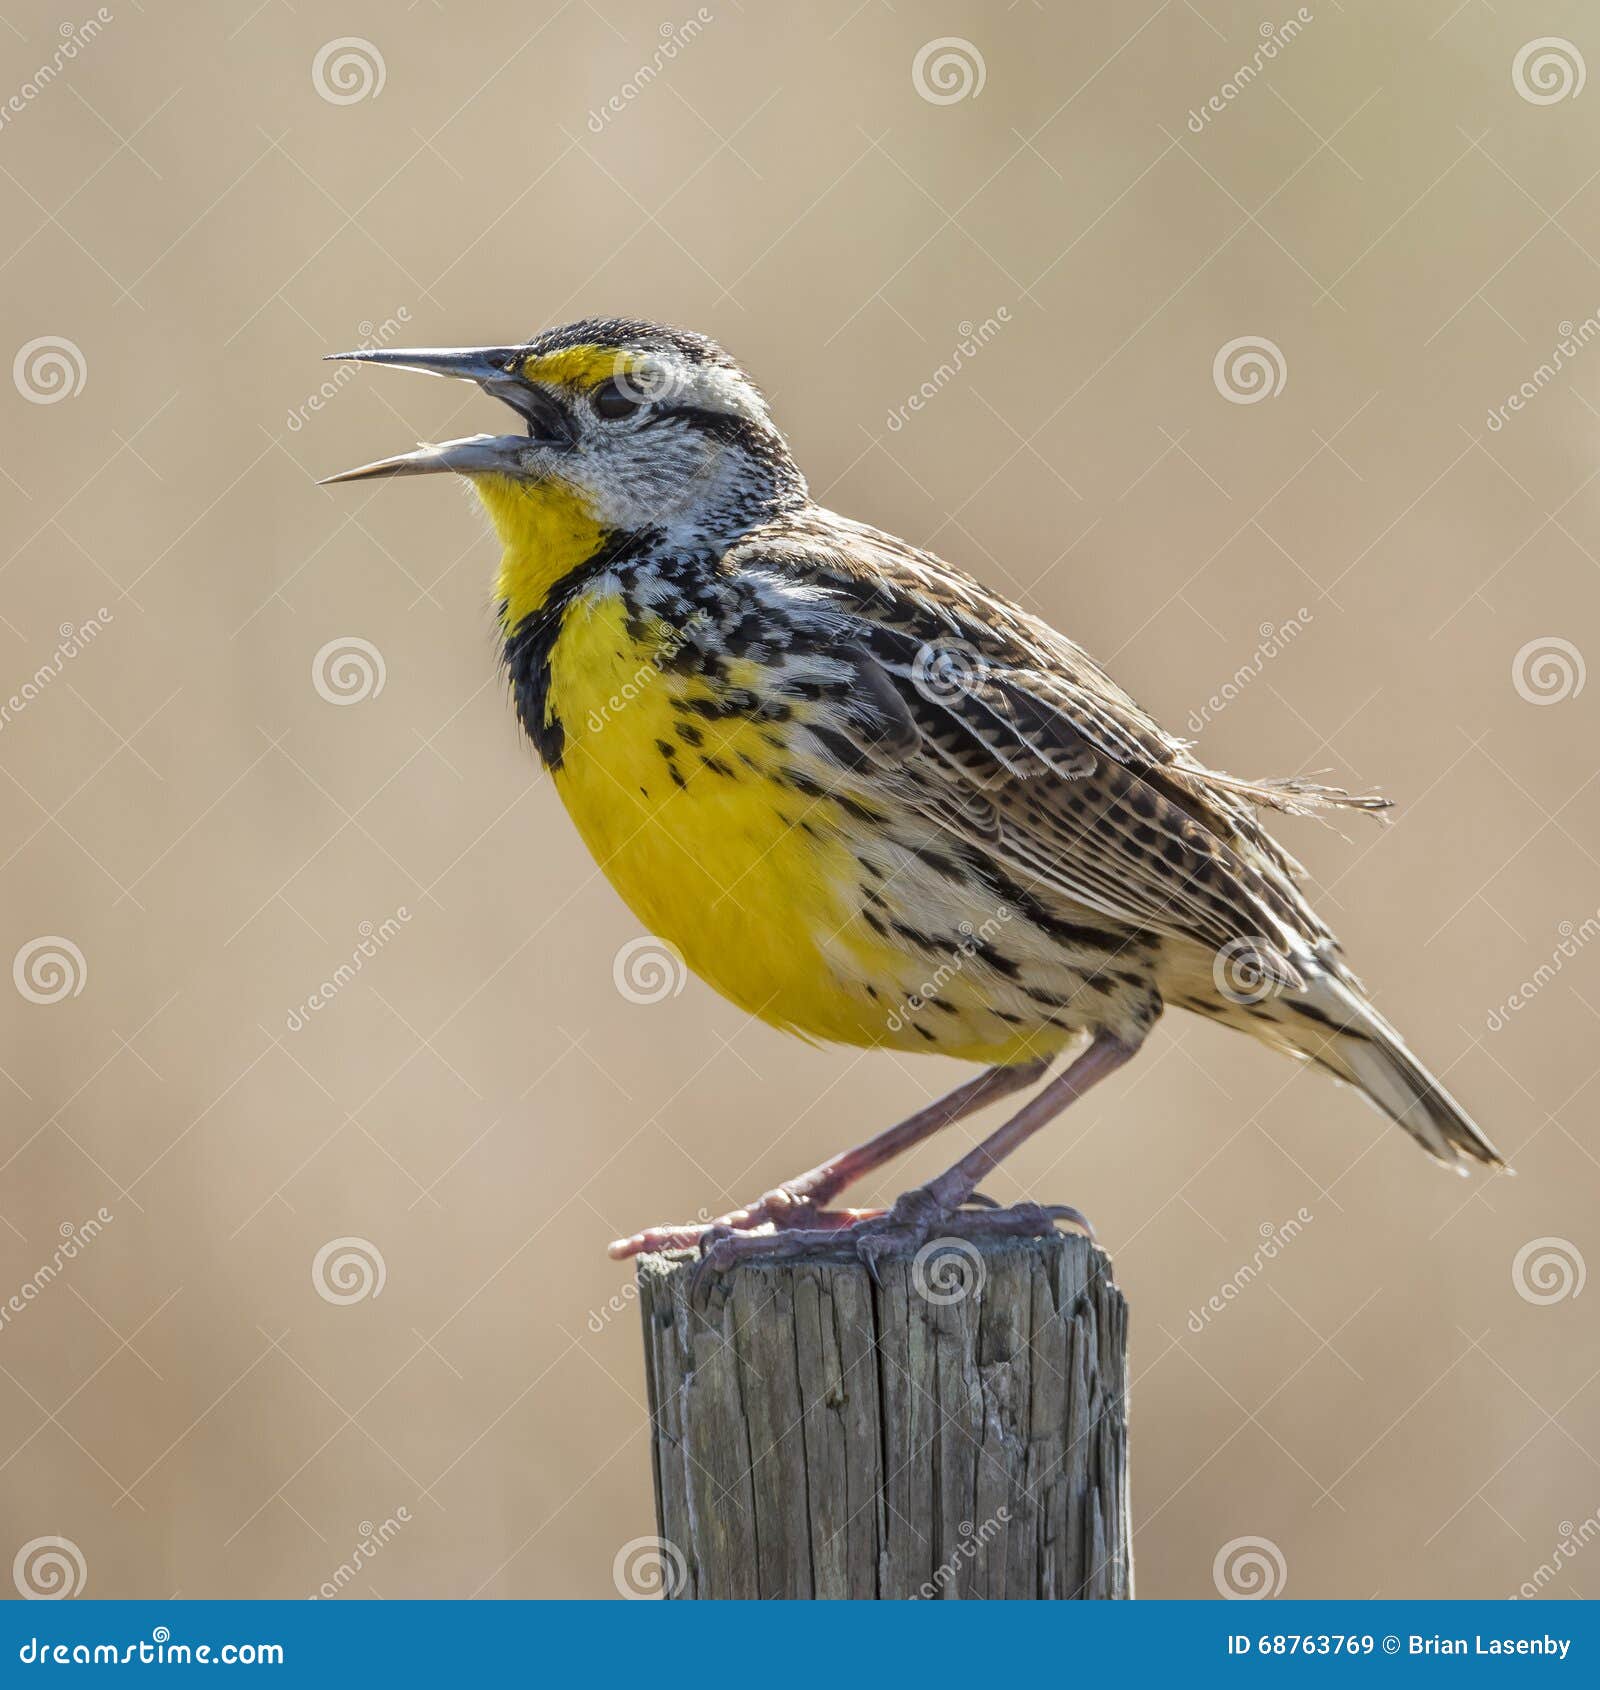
1080	790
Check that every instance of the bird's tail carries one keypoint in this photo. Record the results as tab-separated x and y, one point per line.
1369	1054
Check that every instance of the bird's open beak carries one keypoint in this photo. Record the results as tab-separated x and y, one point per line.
495	370
478	454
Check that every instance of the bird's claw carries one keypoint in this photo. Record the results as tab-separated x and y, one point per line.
779	1211
874	1237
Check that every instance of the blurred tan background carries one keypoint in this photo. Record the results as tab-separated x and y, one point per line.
1349	568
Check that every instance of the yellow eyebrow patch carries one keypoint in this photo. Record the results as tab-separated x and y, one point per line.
580	367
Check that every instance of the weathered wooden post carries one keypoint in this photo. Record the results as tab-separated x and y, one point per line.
958	1431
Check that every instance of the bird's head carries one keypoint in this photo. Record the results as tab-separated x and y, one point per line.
626	426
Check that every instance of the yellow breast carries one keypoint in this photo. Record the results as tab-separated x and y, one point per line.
762	888
685	817
794	906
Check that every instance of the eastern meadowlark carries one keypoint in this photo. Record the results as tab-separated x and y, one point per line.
869	800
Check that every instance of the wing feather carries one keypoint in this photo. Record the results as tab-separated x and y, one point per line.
1012	738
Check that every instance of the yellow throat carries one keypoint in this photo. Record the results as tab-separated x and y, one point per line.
546	529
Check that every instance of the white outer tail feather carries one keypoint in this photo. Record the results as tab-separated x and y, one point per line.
1376	1061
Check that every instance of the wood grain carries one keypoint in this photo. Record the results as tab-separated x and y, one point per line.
958	1431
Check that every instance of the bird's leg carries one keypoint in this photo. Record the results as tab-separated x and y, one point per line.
802	1202
916	1213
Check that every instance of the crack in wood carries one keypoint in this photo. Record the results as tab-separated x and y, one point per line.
814	1435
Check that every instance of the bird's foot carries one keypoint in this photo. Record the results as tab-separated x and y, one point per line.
874	1236
920	1221
783	1210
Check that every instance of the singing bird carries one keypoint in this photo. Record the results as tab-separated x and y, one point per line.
869	800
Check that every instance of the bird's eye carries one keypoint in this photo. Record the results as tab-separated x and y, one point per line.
613	401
